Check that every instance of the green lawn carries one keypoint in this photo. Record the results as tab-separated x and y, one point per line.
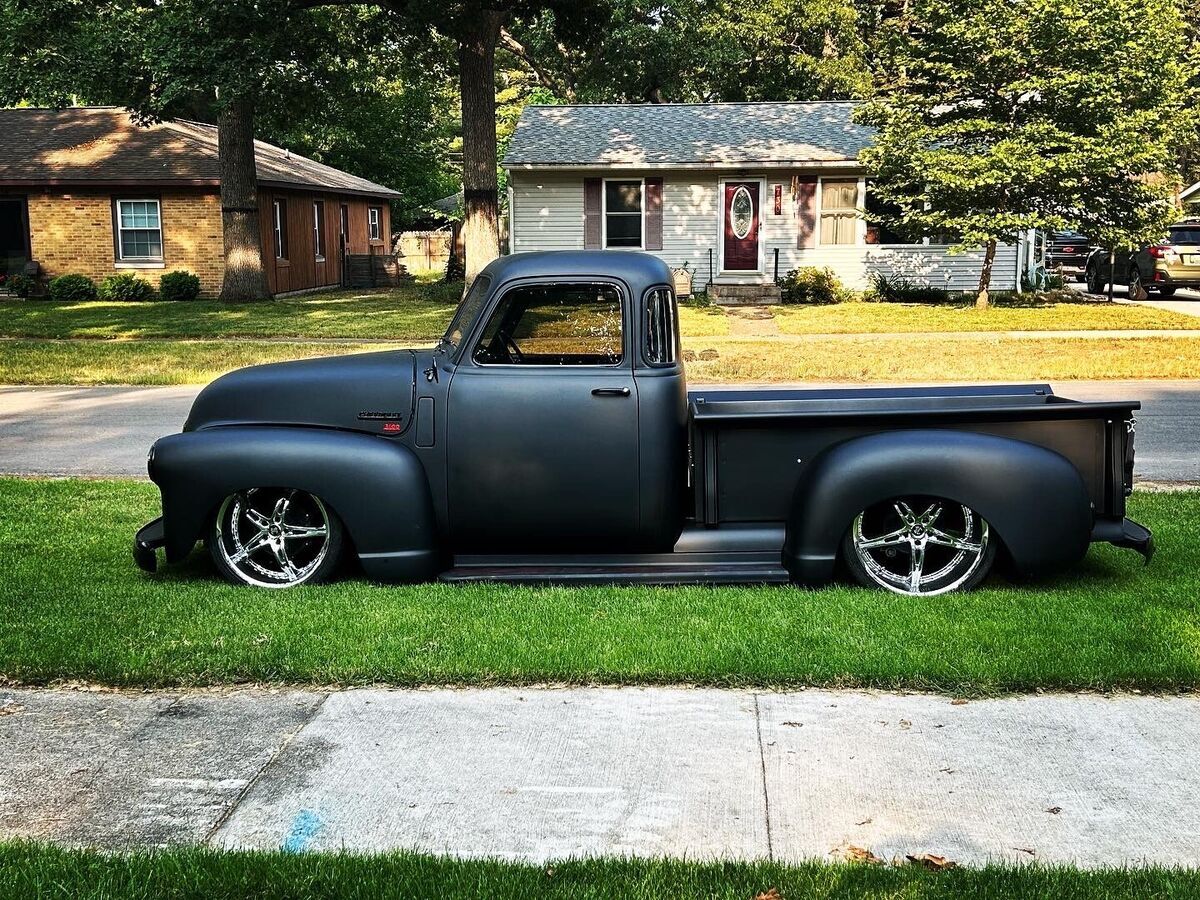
74	607
29	871
883	318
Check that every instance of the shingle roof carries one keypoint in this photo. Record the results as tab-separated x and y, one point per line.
719	135
102	145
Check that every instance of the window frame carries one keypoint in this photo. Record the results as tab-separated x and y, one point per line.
841	211
375	228
132	262
479	331
604	212
279	231
673	317
319	230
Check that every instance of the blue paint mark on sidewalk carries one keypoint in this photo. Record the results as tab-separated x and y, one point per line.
305	827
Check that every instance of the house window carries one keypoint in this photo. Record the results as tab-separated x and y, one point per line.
374	220
623	214
281	235
319	229
878	232
839	211
139	231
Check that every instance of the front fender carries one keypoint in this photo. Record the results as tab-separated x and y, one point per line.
1034	499
377	487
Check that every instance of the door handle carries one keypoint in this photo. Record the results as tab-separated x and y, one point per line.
610	392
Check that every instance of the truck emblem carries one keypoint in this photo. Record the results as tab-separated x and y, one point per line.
378	416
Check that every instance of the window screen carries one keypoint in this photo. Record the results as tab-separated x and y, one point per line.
623	214
319	229
839	211
554	325
139	230
660	327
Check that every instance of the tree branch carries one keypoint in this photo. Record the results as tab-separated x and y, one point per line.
521	52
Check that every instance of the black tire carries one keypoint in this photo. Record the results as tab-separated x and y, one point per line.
1137	291
955	544
275	538
1095	284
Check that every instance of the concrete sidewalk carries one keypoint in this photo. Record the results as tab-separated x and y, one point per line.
539	773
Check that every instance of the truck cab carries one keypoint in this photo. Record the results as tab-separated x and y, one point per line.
551	436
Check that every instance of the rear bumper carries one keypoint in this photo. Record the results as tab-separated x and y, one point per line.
1125	533
149	538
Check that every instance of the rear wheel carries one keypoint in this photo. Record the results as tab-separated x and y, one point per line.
275	538
1137	290
919	546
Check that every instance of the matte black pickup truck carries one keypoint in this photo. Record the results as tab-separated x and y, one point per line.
550	436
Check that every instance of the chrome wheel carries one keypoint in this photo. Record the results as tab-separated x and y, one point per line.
920	546
274	537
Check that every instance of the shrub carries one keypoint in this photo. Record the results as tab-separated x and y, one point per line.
126	287
72	288
21	285
181	285
809	284
899	289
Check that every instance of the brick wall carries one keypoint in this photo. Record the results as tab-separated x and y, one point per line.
72	231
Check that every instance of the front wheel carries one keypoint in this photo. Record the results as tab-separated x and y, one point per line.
1137	291
275	538
919	546
1095	282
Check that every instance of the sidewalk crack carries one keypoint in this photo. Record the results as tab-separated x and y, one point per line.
257	776
762	763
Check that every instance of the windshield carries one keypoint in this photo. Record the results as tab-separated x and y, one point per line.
1189	235
468	311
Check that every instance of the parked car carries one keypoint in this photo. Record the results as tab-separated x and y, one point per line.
1067	253
551	436
1161	268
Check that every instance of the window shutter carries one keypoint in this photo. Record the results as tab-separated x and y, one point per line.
804	191
591	213
654	213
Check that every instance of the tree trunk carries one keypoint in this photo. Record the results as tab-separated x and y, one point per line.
1112	273
244	277
985	275
477	84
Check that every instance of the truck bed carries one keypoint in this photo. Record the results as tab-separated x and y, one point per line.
746	443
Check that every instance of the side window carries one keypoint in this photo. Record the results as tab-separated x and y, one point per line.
554	325
661	317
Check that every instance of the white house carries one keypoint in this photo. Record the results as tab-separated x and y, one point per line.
1189	199
742	192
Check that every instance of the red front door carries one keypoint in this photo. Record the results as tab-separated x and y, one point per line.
742	217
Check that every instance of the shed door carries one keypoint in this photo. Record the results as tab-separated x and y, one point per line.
742	216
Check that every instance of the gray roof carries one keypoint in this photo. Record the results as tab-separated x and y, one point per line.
102	145
698	135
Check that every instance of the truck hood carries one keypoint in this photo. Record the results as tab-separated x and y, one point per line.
368	392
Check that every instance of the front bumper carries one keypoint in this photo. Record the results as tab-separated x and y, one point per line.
1125	533
149	538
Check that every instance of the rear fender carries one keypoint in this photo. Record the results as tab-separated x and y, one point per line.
1034	499
377	487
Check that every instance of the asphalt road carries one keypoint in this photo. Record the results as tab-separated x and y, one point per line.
536	774
107	430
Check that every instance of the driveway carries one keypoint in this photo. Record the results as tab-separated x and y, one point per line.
539	773
107	430
1187	302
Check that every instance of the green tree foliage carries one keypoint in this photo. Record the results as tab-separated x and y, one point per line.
997	116
702	50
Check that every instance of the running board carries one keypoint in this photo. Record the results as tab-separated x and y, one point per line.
677	573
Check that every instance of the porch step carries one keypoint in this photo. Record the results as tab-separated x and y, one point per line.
744	294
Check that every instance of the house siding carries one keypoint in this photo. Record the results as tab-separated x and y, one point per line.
548	214
72	232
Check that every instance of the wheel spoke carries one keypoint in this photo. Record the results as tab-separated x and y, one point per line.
256	542
931	515
261	520
904	511
296	532
891	539
916	564
285	563
943	539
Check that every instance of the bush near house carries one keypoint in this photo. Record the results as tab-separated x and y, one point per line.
125	287
810	284
72	289
899	289
21	285
181	285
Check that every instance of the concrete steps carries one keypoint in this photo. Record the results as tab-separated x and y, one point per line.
744	294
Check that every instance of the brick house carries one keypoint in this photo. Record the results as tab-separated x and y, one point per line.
87	190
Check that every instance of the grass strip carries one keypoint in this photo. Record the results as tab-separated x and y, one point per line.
75	607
